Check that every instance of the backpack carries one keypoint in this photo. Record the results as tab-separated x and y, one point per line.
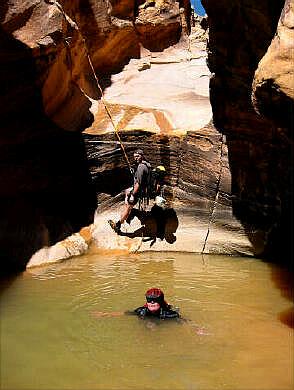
155	181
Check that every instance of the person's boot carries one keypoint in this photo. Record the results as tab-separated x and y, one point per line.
115	226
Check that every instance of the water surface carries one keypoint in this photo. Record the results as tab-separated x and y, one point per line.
234	338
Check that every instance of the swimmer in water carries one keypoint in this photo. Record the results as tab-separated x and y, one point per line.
156	306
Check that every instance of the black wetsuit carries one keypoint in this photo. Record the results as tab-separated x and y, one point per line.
163	313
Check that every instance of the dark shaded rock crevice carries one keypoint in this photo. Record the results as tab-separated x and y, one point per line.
259	148
45	190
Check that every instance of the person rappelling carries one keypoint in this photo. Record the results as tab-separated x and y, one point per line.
137	192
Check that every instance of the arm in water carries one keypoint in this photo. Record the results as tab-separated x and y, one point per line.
196	329
155	307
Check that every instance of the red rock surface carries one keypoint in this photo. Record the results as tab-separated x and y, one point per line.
43	173
48	89
164	109
273	84
260	148
114	31
232	177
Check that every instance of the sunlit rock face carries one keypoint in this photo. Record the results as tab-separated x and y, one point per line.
62	71
164	109
45	187
273	85
229	179
48	90
251	94
115	30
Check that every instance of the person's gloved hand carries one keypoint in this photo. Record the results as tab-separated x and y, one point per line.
131	198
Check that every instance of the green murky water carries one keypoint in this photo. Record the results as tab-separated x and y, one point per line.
236	336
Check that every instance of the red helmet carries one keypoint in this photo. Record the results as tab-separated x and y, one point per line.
155	294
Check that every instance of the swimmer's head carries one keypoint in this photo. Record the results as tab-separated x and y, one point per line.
154	294
155	299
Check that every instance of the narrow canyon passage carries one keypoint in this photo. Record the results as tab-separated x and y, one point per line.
210	99
228	174
160	103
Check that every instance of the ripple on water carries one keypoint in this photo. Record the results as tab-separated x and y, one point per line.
230	307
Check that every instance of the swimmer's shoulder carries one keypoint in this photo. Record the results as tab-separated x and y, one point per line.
140	311
169	312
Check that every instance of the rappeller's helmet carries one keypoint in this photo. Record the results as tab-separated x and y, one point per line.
160	168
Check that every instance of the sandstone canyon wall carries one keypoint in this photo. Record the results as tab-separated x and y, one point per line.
251	58
47	95
233	175
236	176
45	185
114	31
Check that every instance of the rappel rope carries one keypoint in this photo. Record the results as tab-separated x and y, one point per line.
109	114
216	196
115	127
54	2
116	132
118	137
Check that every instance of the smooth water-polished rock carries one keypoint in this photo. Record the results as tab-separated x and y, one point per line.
45	190
49	93
114	31
74	245
165	110
247	45
228	183
273	84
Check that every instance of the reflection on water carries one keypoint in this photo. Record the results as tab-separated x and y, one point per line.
234	336
284	281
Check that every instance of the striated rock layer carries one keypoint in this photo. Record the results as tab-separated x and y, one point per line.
256	149
228	184
47	93
252	100
164	109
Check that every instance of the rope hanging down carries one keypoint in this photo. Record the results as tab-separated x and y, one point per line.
108	112
216	196
67	19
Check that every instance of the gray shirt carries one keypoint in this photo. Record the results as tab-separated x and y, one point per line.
141	174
